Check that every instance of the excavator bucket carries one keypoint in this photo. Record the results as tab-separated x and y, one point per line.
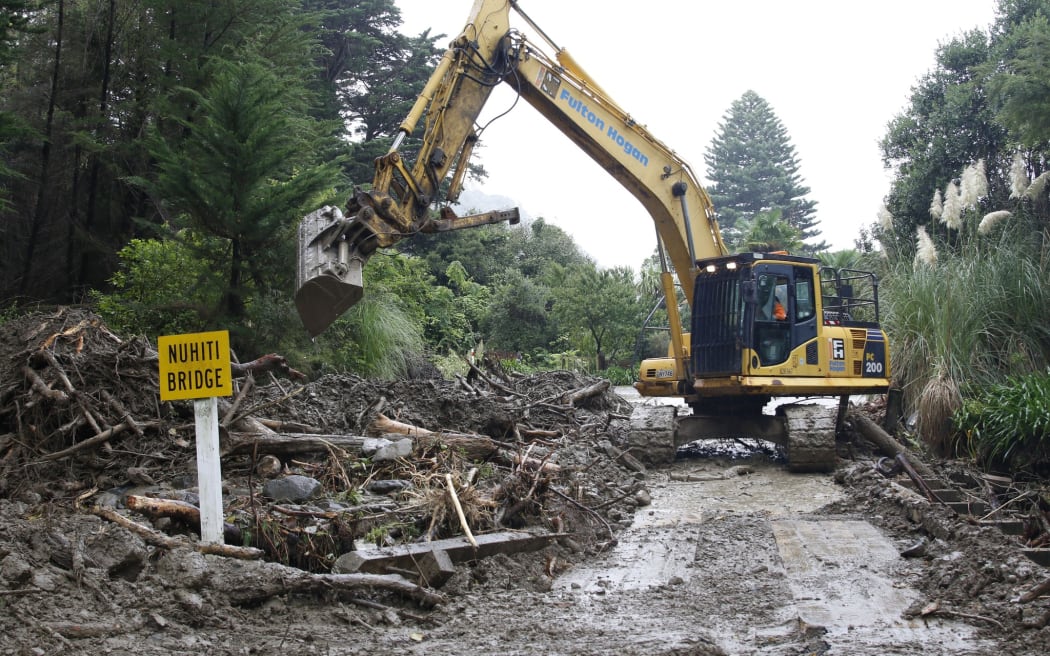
329	273
321	300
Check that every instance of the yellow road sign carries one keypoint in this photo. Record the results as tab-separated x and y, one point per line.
194	365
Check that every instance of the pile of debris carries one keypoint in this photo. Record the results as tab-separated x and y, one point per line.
338	482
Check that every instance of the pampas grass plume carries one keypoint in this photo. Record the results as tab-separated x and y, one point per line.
885	218
990	219
1038	186
974	184
925	251
951	216
1018	177
937	205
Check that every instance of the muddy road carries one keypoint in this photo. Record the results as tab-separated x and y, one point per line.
723	552
732	556
741	557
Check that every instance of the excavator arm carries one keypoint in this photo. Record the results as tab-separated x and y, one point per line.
486	53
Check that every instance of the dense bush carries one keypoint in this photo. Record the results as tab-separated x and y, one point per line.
1008	423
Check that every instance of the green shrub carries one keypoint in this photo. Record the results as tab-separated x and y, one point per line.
161	288
1008	423
619	375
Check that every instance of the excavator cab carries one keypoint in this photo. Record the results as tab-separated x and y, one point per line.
778	325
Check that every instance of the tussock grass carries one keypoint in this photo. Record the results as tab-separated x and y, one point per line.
966	321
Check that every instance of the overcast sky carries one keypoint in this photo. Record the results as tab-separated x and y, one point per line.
834	72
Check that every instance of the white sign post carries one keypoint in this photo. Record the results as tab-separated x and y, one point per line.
209	471
197	366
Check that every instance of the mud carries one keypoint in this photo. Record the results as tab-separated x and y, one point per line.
727	553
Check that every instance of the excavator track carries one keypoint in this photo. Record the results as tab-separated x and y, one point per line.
806	432
810	437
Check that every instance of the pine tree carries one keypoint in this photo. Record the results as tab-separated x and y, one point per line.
754	170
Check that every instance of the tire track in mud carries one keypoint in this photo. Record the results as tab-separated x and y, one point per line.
741	565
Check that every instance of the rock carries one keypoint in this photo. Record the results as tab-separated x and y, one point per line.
916	550
269	466
183	568
652	434
373	444
140	476
116	550
387	486
45	580
15	570
393	451
190	601
294	488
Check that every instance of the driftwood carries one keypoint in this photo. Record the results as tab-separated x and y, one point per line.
183	511
299	581
251	583
474	447
158	539
78	630
887	444
102	437
475	372
268	362
575	396
1036	592
459	510
288	444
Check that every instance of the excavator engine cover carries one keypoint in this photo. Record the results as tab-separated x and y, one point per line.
329	276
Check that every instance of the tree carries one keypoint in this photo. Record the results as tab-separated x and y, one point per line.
947	125
15	21
519	319
1021	88
244	171
753	169
484	252
72	127
600	309
371	75
768	232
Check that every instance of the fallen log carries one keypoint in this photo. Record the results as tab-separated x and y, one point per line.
79	630
37	384
473	447
158	539
1036	592
183	511
575	396
887	444
268	362
245	582
289	444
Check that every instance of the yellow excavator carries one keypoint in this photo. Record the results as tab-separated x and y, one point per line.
762	325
